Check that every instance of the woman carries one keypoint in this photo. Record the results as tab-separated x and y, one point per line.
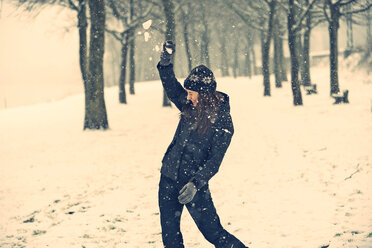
202	137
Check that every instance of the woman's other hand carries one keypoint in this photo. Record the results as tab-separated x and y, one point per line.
187	193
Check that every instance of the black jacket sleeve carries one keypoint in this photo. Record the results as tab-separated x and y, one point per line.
175	92
220	142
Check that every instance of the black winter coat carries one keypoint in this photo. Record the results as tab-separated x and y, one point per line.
191	157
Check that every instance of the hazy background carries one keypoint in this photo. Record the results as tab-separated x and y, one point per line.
39	55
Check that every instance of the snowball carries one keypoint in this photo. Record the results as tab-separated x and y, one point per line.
169	50
157	48
146	25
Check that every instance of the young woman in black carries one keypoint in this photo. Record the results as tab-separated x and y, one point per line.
202	137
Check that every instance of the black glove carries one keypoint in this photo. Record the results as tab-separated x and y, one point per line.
167	53
187	193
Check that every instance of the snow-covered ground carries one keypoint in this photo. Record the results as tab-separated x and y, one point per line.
292	177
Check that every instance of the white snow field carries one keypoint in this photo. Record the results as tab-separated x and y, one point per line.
292	177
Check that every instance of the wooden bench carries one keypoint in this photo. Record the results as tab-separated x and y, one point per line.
310	89
341	98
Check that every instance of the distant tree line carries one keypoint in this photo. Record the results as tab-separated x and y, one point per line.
222	34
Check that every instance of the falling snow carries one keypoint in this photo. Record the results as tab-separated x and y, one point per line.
292	177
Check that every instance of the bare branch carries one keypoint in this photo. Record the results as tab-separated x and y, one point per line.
115	10
180	5
245	17
346	3
358	10
159	29
285	8
115	34
325	12
72	5
299	23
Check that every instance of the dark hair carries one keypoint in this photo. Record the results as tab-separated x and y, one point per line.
206	112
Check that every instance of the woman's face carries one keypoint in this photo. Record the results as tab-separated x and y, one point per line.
193	97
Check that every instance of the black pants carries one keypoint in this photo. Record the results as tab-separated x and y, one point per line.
202	211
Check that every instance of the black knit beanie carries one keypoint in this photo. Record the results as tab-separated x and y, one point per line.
201	80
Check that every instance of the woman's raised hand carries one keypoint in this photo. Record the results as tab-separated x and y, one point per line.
167	53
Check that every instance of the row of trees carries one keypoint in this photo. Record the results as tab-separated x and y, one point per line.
216	33
301	16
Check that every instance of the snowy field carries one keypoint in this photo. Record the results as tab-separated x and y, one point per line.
292	177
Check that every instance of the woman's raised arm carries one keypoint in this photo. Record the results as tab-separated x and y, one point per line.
175	92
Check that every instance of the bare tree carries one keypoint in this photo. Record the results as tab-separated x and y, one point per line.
185	17
368	17
129	22
95	108
259	15
294	25
333	11
277	52
91	66
204	48
305	76
170	33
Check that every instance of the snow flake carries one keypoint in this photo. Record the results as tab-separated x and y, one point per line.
227	131
147	36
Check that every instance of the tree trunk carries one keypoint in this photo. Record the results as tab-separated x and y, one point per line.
296	91
266	50
254	62
333	38
170	34
132	47
132	62
349	30
236	60
95	108
306	80
300	55
265	65
369	33
224	62
205	48
283	63
123	70
83	43
185	27
299	48
204	38
277	67
248	64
